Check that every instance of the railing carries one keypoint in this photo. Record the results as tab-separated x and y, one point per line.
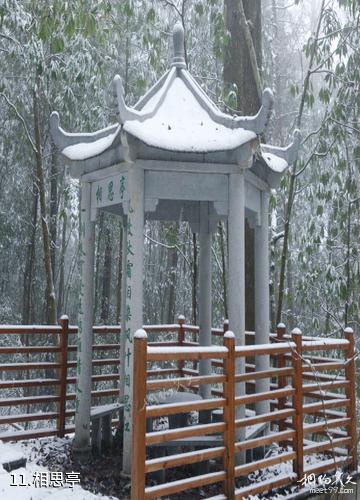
308	404
297	378
46	403
52	394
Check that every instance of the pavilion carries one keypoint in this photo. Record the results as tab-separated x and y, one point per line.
173	156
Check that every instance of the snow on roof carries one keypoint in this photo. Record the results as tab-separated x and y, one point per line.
276	163
277	160
176	115
84	150
280	158
182	124
81	146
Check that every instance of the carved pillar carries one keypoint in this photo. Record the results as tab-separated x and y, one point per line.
123	311
81	444
205	311
262	308
236	278
134	293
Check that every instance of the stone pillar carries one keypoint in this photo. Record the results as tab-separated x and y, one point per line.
262	307
134	294
123	311
81	443
236	277
205	312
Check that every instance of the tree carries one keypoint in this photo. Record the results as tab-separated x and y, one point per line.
242	67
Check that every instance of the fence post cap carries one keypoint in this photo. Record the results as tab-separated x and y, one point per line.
140	334
296	331
348	329
64	317
229	335
226	321
181	317
281	325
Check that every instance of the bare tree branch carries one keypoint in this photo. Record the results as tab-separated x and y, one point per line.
22	120
171	4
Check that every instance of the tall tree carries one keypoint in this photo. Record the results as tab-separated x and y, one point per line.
242	69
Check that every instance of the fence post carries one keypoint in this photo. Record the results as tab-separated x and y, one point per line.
298	420
226	325
281	362
139	416
229	415
63	361
350	374
181	339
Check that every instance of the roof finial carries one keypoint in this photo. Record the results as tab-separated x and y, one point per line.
178	40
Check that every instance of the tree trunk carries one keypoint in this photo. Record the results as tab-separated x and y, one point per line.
30	261
50	291
239	70
293	175
61	297
97	260
172	265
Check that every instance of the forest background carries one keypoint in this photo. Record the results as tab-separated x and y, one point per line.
62	55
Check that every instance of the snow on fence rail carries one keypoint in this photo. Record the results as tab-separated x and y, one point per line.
300	425
326	387
45	373
42	392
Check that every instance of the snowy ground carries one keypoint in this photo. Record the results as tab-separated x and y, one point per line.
50	459
30	483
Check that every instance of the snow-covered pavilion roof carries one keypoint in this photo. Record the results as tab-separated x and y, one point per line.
175	120
178	118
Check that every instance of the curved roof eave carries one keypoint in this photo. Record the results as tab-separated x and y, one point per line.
272	161
83	146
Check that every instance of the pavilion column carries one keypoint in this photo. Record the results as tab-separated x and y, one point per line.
123	310
205	311
236	275
81	444
133	316
262	313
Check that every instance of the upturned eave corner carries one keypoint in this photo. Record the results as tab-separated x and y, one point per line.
260	121
288	153
279	159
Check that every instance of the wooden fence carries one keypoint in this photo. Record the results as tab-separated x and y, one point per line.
304	409
49	398
300	374
51	350
36	406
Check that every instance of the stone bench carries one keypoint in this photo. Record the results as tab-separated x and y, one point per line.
101	433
